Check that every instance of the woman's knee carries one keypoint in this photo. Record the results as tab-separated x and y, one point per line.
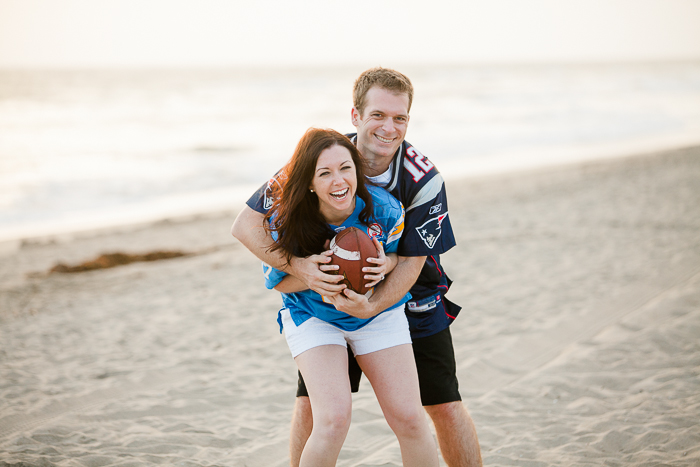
333	423
407	421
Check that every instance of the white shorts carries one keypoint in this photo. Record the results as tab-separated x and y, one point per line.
389	329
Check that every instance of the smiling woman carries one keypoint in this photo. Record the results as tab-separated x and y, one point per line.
314	188
320	192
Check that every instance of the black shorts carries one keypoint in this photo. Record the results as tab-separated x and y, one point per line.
437	370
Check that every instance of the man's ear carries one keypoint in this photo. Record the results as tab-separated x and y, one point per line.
355	116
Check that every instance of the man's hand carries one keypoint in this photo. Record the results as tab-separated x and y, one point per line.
313	271
353	304
386	294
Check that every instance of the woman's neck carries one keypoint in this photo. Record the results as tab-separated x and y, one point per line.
335	217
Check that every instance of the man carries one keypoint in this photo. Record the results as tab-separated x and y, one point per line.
381	103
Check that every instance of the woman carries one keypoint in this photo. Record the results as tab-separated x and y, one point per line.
320	192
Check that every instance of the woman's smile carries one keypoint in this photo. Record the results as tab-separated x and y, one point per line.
335	184
341	194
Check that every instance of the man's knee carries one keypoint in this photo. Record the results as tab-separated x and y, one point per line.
302	407
448	413
302	415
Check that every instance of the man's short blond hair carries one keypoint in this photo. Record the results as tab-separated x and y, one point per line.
386	78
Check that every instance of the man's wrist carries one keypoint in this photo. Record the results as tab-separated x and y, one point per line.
294	267
372	311
289	266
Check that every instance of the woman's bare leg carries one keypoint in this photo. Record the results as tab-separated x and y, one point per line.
392	373
325	372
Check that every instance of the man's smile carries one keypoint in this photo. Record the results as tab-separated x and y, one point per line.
384	140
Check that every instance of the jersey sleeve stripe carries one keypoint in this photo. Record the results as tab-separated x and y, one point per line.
428	192
396	232
272	276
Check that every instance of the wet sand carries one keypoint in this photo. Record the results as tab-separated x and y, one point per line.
578	342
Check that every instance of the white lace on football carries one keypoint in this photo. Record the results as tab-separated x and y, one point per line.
344	254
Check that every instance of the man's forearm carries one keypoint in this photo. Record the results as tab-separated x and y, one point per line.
396	284
249	229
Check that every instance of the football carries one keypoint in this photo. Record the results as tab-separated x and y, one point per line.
351	248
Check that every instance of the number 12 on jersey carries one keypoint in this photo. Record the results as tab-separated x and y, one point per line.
420	164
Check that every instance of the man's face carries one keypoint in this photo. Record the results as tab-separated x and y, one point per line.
382	126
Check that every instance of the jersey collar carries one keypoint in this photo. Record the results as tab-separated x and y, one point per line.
352	218
396	163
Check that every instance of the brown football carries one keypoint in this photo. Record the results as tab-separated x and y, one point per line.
351	248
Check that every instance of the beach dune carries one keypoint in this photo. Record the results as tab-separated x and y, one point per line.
578	342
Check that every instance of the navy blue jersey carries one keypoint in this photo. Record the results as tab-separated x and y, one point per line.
418	185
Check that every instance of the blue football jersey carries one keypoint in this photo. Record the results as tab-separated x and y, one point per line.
419	186
387	225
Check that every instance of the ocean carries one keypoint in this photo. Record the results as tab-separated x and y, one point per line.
85	149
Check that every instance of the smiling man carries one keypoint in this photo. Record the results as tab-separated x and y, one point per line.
382	100
381	118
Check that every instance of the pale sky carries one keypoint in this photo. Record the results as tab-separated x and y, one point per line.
154	33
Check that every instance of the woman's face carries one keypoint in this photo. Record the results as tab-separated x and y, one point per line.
335	184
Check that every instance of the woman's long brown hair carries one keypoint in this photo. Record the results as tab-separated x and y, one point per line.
295	215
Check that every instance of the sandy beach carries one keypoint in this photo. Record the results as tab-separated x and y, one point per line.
578	343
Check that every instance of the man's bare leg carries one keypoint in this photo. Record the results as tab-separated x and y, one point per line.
456	434
302	423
